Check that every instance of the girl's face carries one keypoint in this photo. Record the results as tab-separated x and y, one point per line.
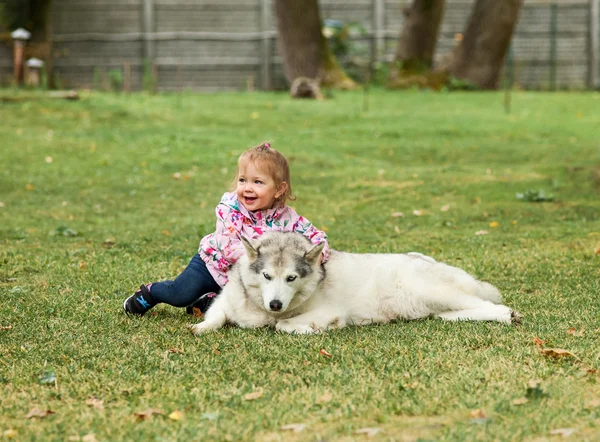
256	188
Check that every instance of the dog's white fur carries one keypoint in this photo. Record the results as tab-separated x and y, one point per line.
280	282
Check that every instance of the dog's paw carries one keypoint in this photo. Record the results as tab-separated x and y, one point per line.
201	327
299	329
516	318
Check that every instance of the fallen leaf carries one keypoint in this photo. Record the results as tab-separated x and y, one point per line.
573	331
325	398
325	353
520	401
419	212
479	413
10	433
5	327
514	223
396	229
177	176
165	232
494	224
36	412
539	342
564	432
296	428
90	437
83	265
29	186
176	415
397	215
48	159
1	204
254	395
94	402
368	431
557	353
597	249
481	232
445	208
147	414
175	350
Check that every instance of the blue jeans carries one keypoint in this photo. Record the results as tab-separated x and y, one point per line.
188	288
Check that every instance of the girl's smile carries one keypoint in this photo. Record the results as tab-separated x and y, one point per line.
256	189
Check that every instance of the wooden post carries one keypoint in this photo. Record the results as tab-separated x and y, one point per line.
148	30
127	77
553	18
594	56
265	46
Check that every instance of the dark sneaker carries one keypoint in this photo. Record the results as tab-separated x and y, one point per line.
202	304
140	302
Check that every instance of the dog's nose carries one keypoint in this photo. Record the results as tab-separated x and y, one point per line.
275	305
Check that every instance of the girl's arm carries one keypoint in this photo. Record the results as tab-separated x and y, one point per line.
316	236
226	241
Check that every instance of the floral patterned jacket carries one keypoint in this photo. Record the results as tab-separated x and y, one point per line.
221	249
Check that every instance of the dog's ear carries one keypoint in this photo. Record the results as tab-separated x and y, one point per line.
251	252
313	256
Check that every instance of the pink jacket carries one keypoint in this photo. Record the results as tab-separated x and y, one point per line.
221	249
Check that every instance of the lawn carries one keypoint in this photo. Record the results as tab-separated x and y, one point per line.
102	194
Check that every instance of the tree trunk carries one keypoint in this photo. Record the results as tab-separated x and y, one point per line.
416	45
302	46
479	57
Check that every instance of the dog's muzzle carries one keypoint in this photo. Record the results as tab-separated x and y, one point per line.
275	305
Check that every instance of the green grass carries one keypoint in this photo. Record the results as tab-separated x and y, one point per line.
91	209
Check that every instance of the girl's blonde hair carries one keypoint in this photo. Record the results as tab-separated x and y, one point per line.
271	161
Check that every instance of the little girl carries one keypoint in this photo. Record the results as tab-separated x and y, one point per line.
262	186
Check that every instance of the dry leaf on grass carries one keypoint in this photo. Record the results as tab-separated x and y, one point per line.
5	327
418	212
10	433
254	395
573	332
597	249
564	432
325	398
90	437
94	402
520	401
176	415
175	350
296	428
445	208
36	412
368	431
494	224
397	215
479	413
147	414
557	353
481	232
539	342
325	353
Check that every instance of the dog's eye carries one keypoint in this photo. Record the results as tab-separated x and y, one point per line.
290	278
267	276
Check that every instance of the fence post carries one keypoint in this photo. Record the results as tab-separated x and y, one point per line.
594	55
378	45
148	30
265	46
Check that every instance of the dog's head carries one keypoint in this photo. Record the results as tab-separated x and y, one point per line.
284	267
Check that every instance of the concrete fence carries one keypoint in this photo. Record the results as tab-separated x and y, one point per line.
210	45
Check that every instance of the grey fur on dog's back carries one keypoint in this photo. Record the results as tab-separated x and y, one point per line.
281	282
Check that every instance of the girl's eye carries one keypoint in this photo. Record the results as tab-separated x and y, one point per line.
257	182
241	180
290	278
267	276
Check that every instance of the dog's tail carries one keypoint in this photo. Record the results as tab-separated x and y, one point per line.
488	292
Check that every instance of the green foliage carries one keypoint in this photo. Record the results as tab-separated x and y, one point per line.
459	84
149	80
138	177
115	78
534	196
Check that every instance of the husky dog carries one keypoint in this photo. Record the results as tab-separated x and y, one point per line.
281	283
